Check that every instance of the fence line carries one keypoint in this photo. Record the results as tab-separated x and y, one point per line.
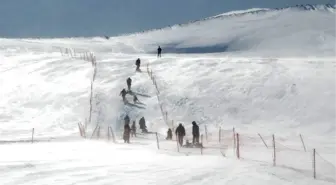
164	112
238	144
238	141
89	57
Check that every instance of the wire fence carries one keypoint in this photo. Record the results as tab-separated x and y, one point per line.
89	57
288	152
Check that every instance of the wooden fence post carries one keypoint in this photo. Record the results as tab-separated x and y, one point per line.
108	133
219	135
314	163
234	138
94	131
157	141
32	140
206	132
80	129
238	146
304	147
274	152
177	144
263	140
202	144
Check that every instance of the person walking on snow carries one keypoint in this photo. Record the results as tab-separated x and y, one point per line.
169	134
195	133
123	94
127	119
133	129
129	83
180	133
127	132
159	52
137	63
142	123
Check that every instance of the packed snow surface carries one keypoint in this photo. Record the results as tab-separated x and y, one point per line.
263	71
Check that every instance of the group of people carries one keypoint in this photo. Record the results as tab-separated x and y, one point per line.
123	92
131	130
180	134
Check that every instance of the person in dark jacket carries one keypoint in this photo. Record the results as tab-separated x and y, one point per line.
123	94
142	123
195	133
180	133
127	119
159	52
169	134
127	132
129	83
137	63
133	129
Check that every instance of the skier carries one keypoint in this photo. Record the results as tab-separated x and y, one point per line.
137	63
123	94
127	131
169	134
195	133
135	99
159	52
142	123
180	133
133	129
129	83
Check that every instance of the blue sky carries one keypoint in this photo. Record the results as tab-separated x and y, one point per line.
67	18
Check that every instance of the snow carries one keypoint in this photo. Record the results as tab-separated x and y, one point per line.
268	73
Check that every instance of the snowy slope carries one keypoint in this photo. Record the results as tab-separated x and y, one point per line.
268	73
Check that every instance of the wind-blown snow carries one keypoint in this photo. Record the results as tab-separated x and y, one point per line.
268	73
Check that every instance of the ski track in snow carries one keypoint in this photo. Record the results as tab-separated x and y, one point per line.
276	76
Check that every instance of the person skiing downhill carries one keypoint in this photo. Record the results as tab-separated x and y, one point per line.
180	133
195	133
135	99
123	94
159	52
129	83
137	63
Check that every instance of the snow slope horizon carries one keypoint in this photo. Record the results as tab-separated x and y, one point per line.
303	31
42	89
256	32
300	31
238	13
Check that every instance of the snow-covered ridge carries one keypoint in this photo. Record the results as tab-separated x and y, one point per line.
296	31
237	13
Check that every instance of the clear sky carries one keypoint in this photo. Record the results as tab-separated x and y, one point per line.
66	18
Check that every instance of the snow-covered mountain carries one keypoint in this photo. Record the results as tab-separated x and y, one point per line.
261	71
